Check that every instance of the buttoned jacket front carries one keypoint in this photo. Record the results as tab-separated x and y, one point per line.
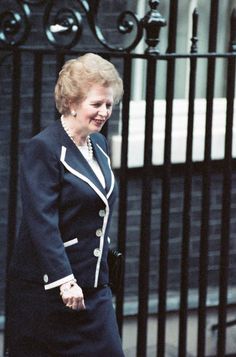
66	212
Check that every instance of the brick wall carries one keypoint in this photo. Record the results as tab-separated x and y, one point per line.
175	233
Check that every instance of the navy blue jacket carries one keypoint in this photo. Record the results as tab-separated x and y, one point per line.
66	212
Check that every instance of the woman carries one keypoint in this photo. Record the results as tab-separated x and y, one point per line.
60	303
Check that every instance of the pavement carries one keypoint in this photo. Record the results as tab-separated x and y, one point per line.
171	351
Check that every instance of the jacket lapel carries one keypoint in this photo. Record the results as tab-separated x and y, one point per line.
75	162
104	163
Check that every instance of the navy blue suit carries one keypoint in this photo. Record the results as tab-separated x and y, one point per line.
66	211
64	235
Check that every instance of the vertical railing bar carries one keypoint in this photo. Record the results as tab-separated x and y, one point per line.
203	264
184	281
172	32
226	202
60	59
165	206
37	92
146	211
123	181
13	173
104	130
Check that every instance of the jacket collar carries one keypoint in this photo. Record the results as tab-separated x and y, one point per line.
78	165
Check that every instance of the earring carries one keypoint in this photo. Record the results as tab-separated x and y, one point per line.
73	113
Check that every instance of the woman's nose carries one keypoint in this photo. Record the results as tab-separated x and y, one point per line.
103	110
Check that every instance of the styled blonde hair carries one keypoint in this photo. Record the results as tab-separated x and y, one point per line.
78	75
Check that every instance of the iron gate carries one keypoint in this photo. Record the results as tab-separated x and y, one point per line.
63	34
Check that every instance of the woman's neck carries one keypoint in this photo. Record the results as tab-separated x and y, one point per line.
71	127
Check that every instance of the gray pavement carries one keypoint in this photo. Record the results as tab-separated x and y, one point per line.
171	351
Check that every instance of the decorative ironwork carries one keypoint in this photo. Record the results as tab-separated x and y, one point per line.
15	25
63	26
125	25
152	22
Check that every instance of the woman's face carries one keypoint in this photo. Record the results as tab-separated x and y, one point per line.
95	109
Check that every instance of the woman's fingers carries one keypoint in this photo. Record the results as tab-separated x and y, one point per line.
74	298
81	304
76	304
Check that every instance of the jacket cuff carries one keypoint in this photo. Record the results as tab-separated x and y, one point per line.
59	282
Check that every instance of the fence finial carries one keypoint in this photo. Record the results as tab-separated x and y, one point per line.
194	38
152	23
232	45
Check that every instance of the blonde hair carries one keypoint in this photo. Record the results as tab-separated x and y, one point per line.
78	75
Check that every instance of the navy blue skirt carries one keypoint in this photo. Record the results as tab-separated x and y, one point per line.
40	325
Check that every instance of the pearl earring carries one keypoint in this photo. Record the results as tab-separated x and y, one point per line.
73	113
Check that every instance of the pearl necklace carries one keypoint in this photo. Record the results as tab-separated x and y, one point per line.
88	140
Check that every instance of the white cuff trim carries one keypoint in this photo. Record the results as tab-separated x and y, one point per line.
71	242
59	282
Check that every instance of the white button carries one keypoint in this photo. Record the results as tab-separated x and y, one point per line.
109	240
102	213
97	252
45	278
99	232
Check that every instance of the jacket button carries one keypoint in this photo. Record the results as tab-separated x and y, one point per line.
45	278
99	232
109	240
97	252
102	213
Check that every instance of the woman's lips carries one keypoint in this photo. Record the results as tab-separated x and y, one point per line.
99	121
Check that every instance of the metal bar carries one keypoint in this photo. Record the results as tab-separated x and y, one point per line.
184	282
164	234
203	265
164	57
165	207
37	90
13	173
225	219
173	9
60	59
226	201
227	324
123	174
104	130
146	211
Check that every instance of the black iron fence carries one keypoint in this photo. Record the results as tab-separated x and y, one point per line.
63	34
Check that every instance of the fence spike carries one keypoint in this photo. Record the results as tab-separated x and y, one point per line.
194	38
232	45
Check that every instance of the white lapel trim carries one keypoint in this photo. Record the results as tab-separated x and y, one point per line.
82	177
112	175
100	194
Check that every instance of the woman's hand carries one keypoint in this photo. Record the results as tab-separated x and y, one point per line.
72	295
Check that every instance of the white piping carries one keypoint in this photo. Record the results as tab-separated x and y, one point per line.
100	194
59	282
112	175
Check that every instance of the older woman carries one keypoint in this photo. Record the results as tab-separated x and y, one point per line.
60	303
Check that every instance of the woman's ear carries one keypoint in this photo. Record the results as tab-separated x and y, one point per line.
72	110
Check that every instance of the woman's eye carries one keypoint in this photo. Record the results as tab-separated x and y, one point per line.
97	105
